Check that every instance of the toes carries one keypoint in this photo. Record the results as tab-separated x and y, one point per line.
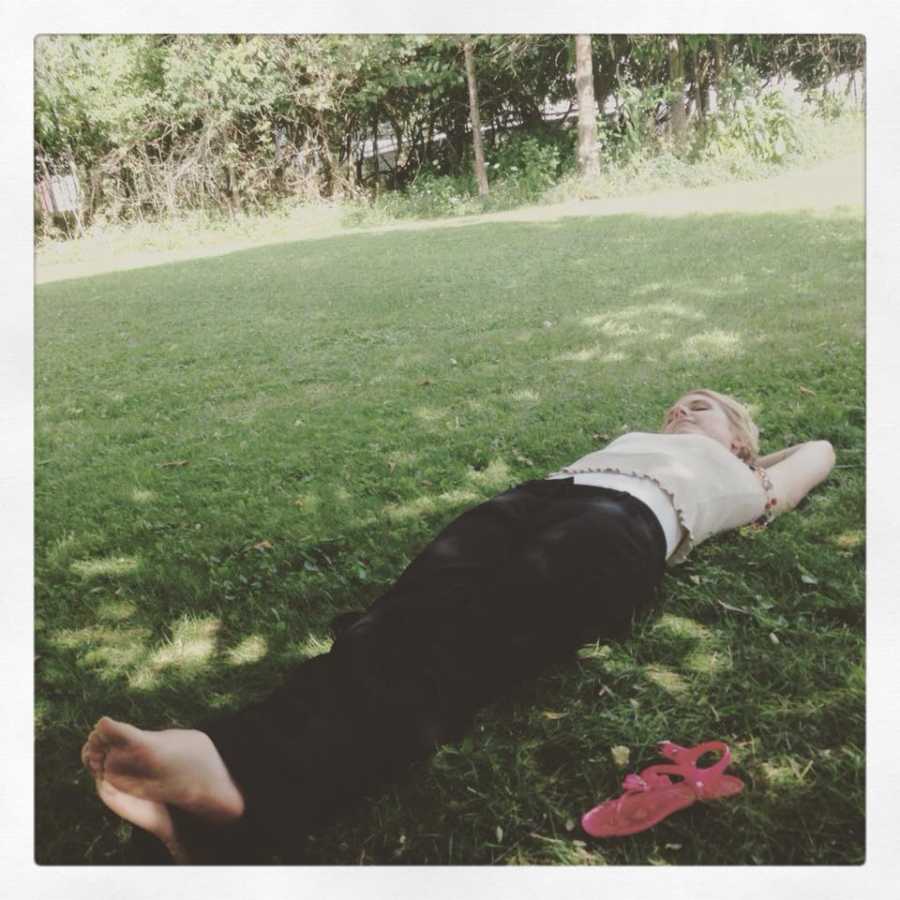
96	743
113	732
147	814
93	751
95	738
92	759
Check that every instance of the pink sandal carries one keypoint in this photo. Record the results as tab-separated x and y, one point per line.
652	795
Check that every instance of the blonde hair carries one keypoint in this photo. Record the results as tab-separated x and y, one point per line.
745	430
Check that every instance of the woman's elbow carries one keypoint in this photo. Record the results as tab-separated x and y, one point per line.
824	460
828	455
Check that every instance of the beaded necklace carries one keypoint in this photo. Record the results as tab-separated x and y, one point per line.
769	511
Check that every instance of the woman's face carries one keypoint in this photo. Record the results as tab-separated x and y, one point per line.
699	414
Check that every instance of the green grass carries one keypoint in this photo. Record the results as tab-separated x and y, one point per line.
189	232
231	450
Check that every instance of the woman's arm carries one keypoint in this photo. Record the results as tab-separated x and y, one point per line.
795	471
771	458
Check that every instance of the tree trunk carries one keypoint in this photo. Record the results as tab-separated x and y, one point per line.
720	67
588	160
678	120
475	119
399	162
375	152
605	77
697	95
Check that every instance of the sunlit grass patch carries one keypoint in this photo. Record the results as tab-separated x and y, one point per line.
619	329
143	677
430	415
113	658
709	293
252	649
106	650
496	474
63	549
595	651
670	309
312	645
426	504
848	539
599	353
192	644
116	610
785	771
188	652
105	635
110	566
708	661
670	681
420	506
651	287
715	344
680	626
139	495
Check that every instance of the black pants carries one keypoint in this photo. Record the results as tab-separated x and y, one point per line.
507	589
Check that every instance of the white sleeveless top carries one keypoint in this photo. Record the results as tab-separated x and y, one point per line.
710	489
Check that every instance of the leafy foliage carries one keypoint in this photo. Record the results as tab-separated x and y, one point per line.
161	125
750	119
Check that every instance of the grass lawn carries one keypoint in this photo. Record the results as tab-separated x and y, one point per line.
229	451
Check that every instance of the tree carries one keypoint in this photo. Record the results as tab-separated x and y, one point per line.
587	154
156	125
678	118
475	119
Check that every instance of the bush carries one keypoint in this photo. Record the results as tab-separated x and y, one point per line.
442	195
749	121
633	130
830	105
527	166
519	171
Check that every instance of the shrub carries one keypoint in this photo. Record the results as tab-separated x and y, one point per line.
527	165
634	129
519	171
750	120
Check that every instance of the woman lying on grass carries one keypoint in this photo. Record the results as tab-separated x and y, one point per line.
505	590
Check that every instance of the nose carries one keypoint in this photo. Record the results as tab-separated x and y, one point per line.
678	411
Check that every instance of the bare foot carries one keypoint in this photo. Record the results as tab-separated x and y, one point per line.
139	773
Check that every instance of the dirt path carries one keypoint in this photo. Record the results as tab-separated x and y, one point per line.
820	189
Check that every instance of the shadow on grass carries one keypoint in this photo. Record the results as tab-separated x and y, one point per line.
611	304
538	745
